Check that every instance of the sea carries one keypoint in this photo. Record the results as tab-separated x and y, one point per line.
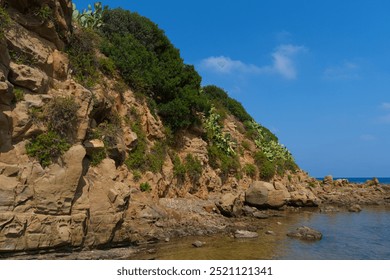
346	236
360	180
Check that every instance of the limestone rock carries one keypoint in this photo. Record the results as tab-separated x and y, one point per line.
5	132
328	180
93	145
60	65
263	194
305	233
245	234
6	93
35	48
355	208
7	192
28	77
198	244
54	191
230	205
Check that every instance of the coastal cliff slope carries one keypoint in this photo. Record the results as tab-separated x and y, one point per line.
92	156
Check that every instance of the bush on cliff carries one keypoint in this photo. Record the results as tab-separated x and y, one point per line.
47	147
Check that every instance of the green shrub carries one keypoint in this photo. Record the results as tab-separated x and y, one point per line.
136	158
179	169
226	163
107	66
145	187
245	144
61	115
44	13
98	156
136	175
250	170
19	94
47	147
267	171
156	157
83	61
193	167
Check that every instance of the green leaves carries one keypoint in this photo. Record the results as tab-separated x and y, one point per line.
89	18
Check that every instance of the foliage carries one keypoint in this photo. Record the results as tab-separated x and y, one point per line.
220	98
145	187
156	157
22	58
216	136
136	175
193	167
47	147
44	13
19	94
179	169
4	21
271	149
98	156
61	115
107	66
245	144
267	171
150	64
136	158
89	18
226	163
250	170
83	61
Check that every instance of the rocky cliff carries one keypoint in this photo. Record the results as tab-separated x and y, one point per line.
85	196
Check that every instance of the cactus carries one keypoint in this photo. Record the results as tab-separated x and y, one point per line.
89	18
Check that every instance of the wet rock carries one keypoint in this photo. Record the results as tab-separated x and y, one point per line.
355	208
198	244
305	233
260	215
245	234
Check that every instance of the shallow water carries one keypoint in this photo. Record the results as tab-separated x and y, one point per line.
364	235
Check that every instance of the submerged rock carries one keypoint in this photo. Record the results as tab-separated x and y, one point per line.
305	233
355	208
245	234
198	244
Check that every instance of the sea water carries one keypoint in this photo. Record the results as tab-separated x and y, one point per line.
346	236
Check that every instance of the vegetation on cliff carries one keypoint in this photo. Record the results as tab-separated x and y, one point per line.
135	51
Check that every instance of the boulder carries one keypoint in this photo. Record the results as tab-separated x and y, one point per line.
355	208
93	145
230	205
198	244
264	195
29	77
305	233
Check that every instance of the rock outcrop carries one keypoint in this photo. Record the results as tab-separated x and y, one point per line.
87	196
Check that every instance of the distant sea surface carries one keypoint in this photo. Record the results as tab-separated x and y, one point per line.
382	180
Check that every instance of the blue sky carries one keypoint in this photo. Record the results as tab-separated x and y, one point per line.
317	73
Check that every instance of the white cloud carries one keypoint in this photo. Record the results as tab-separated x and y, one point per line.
282	63
345	71
223	64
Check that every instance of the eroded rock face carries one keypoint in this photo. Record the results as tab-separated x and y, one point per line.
29	77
